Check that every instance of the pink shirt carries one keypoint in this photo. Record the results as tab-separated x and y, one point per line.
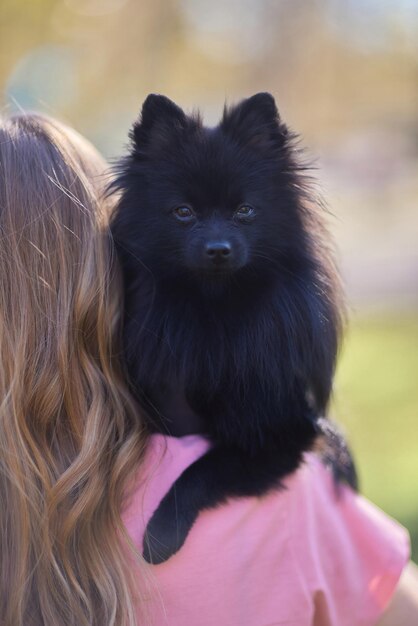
296	557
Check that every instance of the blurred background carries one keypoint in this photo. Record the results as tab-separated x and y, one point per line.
345	76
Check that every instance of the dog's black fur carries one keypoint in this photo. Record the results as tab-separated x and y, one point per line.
232	315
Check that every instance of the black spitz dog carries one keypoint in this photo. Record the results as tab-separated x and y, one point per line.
233	309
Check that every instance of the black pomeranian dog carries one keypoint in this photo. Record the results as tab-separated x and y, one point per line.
233	311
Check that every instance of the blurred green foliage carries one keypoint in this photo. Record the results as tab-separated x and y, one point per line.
376	399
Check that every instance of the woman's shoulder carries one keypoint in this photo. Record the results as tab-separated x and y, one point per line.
309	499
307	548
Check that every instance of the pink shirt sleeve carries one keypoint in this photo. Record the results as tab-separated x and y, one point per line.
350	554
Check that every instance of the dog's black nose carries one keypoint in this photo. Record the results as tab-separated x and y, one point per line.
218	251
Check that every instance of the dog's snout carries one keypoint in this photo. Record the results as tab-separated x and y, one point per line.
217	254
218	251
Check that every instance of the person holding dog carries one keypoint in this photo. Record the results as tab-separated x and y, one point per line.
79	475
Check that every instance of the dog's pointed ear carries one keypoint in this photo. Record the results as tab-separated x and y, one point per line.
161	110
160	117
255	122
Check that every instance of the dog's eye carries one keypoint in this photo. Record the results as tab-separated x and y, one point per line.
184	213
244	212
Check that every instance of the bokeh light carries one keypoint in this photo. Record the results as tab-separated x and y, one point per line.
46	77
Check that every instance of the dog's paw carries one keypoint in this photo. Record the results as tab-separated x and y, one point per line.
167	530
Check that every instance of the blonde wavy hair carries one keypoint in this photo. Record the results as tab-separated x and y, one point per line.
70	434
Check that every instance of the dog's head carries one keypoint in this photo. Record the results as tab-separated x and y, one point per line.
211	202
